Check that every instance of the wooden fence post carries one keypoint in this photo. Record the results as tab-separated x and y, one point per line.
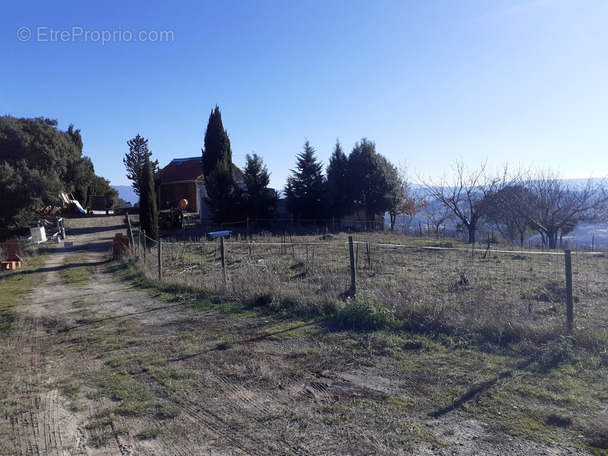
145	246
160	263
353	282
569	299
223	259
130	230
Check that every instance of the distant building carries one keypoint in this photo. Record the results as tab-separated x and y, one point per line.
183	179
178	180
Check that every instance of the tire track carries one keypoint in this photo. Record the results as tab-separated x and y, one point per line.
247	443
36	429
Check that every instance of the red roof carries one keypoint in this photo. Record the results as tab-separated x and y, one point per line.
190	170
183	170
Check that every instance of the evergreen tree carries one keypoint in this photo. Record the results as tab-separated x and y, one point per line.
37	162
338	191
134	162
217	170
260	201
374	182
305	189
217	144
148	212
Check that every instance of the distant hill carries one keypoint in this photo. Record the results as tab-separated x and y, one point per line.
127	193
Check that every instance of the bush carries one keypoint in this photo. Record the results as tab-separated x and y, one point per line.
364	313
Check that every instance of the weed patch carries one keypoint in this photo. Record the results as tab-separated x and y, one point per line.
149	433
364	314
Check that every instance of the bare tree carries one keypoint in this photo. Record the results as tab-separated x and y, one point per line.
507	212
556	206
466	195
404	201
437	214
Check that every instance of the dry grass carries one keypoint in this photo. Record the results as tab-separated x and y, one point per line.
501	297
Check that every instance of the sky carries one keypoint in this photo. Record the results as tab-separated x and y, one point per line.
430	82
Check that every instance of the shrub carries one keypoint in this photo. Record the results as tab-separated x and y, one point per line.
364	313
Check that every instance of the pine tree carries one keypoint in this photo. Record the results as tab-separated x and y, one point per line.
148	213
217	169
259	200
338	192
305	189
134	162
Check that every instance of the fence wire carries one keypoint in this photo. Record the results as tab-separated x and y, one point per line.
480	285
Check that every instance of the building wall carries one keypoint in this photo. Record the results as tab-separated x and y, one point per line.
170	195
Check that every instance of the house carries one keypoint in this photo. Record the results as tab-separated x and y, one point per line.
180	180
183	178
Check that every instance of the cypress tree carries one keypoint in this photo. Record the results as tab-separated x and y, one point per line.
148	213
217	169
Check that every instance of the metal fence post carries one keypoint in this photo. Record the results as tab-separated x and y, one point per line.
569	299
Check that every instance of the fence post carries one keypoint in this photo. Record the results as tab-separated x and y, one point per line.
160	263
138	242
130	231
145	246
223	259
353	282
569	299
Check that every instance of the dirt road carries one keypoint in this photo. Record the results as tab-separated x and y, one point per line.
98	368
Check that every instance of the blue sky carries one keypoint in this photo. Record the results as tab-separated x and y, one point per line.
429	81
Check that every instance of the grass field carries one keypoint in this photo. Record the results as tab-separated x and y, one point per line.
496	295
442	351
475	331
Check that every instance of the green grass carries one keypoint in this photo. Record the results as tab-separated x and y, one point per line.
364	313
149	433
14	286
133	398
74	276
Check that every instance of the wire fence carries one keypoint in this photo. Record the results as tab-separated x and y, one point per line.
442	285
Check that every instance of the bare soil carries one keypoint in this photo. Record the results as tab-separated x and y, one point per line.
103	368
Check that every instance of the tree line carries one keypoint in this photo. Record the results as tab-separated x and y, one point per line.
37	163
364	182
515	204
